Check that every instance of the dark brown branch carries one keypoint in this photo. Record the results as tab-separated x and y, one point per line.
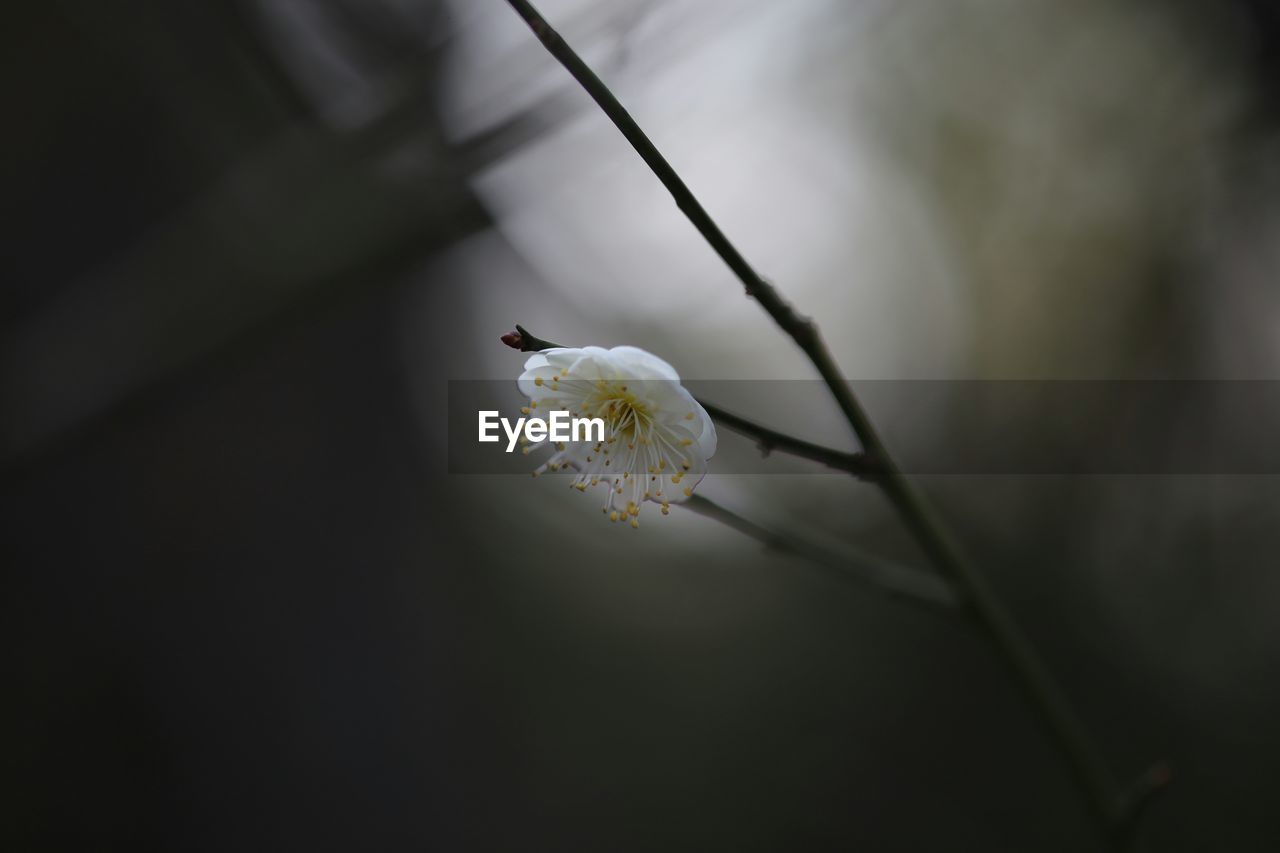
895	579
1024	664
767	439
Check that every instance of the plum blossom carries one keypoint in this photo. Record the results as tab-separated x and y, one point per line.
657	437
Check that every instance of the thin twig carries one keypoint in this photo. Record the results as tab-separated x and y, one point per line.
893	578
769	440
766	439
1025	666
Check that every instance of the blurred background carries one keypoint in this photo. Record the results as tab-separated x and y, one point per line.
248	244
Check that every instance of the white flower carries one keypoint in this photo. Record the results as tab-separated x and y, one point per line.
657	437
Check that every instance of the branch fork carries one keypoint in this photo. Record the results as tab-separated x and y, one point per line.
1113	808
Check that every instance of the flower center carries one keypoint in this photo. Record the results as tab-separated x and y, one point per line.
625	414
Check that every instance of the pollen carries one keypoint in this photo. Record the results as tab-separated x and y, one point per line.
689	416
635	523
688	491
524	410
613	516
537	380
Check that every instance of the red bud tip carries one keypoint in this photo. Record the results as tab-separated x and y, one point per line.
513	340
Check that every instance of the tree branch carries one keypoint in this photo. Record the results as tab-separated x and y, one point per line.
1025	666
891	577
767	439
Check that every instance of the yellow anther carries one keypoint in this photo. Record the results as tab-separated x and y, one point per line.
626	474
689	416
537	380
524	410
685	442
662	464
666	509
613	516
533	404
688	491
635	523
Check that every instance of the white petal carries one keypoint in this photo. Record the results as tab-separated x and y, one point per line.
642	364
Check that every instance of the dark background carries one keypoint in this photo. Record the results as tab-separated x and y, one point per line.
245	247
